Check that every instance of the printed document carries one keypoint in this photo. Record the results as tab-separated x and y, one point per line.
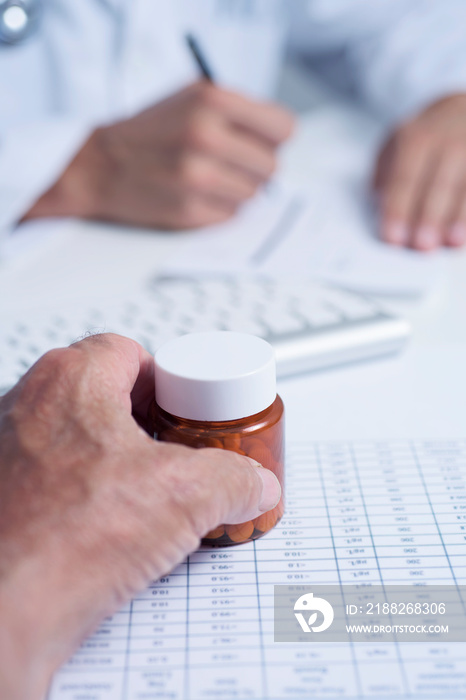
358	512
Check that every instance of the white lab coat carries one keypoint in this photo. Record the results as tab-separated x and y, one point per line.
94	61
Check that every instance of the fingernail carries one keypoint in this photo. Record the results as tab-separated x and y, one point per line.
396	233
457	235
271	489
426	237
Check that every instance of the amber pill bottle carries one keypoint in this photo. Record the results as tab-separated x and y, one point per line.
218	389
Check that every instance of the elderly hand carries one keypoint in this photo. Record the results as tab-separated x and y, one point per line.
188	161
421	176
92	508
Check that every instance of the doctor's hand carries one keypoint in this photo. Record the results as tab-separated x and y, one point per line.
91	508
421	177
188	161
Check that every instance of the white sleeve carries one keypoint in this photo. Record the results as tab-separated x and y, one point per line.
397	55
53	91
32	157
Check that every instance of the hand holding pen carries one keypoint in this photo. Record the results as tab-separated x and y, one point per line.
188	161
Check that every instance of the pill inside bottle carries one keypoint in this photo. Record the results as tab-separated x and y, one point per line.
218	389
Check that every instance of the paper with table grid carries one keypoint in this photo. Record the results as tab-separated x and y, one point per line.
363	512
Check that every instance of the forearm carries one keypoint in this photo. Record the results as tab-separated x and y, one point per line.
79	189
51	598
32	156
44	618
21	677
26	659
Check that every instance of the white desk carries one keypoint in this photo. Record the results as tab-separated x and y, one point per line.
420	394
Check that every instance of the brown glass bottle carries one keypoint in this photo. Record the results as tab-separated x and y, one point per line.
259	436
218	389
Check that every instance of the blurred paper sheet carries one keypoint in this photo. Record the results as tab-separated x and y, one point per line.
326	233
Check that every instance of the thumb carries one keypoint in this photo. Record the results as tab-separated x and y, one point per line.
265	493
228	488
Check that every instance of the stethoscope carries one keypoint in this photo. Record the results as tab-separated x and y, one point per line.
18	19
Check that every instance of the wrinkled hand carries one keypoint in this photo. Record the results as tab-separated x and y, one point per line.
421	175
92	508
188	161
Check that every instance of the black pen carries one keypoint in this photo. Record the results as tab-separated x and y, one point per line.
199	57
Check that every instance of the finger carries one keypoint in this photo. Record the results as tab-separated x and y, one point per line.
210	177
215	486
382	166
124	366
217	138
404	182
232	184
265	119
197	211
456	234
248	154
438	200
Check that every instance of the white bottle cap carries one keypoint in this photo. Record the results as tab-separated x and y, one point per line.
215	376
